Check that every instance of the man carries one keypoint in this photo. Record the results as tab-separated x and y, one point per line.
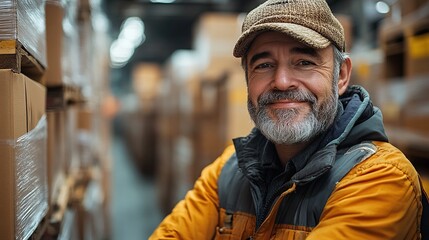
318	164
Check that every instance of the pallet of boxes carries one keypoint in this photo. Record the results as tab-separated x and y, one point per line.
75	197
23	122
62	94
44	169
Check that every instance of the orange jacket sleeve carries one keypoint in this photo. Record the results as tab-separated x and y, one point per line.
378	199
196	217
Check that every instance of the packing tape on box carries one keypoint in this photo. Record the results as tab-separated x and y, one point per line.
31	191
24	21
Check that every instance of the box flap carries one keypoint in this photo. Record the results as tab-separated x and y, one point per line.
12	105
36	103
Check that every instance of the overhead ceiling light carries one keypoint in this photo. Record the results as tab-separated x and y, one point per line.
382	7
162	1
130	37
133	31
120	52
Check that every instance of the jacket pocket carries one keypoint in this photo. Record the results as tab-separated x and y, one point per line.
234	226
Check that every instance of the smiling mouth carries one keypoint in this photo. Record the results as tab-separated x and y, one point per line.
287	103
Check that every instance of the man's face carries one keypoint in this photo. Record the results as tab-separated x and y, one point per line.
292	96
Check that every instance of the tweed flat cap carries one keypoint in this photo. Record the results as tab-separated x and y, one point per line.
309	21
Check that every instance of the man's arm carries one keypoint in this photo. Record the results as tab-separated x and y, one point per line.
196	216
379	199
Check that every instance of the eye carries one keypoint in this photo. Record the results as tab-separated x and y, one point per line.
263	66
305	63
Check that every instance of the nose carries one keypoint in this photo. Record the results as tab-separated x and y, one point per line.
284	79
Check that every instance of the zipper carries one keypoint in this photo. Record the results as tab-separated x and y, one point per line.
266	208
271	215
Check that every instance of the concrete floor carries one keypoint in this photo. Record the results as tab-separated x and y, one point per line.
134	210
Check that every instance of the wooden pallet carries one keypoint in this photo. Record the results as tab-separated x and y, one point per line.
52	224
14	56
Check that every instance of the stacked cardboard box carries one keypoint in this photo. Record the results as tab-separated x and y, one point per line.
48	142
56	154
55	14
57	118
214	38
22	39
23	135
23	131
73	146
62	54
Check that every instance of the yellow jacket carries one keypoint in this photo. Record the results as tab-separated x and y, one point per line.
387	206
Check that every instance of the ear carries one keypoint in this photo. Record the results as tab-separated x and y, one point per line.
344	77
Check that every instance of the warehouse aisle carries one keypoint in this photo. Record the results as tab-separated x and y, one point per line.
134	207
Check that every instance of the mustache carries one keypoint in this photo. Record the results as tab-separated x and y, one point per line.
295	95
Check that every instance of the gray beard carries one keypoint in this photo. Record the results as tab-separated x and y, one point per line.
286	129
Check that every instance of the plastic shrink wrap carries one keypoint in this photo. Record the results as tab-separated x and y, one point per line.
24	21
71	51
31	193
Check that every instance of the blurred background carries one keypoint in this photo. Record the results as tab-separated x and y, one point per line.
124	102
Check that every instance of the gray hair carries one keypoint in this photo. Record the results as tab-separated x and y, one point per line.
339	58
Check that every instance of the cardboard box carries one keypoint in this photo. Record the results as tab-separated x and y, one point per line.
85	140
417	60
22	102
23	21
71	53
71	165
54	41
238	121
146	78
23	201
56	154
84	119
215	35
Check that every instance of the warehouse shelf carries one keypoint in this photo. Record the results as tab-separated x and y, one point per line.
405	44
61	96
